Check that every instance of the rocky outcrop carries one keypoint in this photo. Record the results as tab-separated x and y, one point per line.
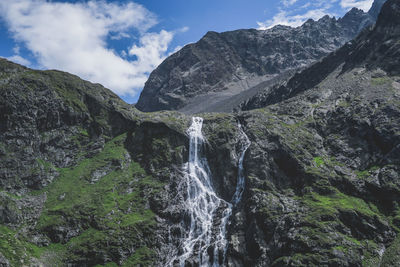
201	75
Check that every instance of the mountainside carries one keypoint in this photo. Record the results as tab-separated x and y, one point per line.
222	65
376	8
373	49
59	136
329	148
309	178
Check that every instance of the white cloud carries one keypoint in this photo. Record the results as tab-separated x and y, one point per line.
295	15
16	49
183	29
72	37
364	4
285	18
287	3
20	60
151	51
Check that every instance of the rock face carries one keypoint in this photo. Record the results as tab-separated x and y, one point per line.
88	180
376	8
372	49
345	124
221	65
75	183
42	113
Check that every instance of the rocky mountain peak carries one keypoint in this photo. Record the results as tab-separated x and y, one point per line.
380	48
205	75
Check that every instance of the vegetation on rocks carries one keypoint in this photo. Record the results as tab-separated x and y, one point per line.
87	180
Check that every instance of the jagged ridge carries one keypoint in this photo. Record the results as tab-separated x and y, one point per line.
378	47
226	64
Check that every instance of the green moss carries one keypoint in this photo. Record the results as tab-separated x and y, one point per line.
142	257
8	194
341	248
367	172
319	161
47	166
371	256
173	119
219	128
352	240
316	171
51	255
328	206
65	85
329	162
84	132
380	81
14	247
67	90
391	257
395	219
323	166
323	213
115	202
339	201
162	150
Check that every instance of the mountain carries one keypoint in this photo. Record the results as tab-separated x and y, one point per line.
309	178
329	145
59	136
378	48
202	75
376	8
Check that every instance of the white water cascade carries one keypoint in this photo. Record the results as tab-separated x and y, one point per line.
245	141
207	231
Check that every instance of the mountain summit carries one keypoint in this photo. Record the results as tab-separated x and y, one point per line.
203	76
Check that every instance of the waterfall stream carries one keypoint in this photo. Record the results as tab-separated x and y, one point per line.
206	238
245	141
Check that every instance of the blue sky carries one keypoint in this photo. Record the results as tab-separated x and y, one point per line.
118	43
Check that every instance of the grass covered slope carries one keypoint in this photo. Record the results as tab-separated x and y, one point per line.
95	212
103	203
323	174
72	190
323	168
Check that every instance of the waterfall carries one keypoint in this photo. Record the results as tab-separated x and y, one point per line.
245	141
206	241
237	197
202	201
